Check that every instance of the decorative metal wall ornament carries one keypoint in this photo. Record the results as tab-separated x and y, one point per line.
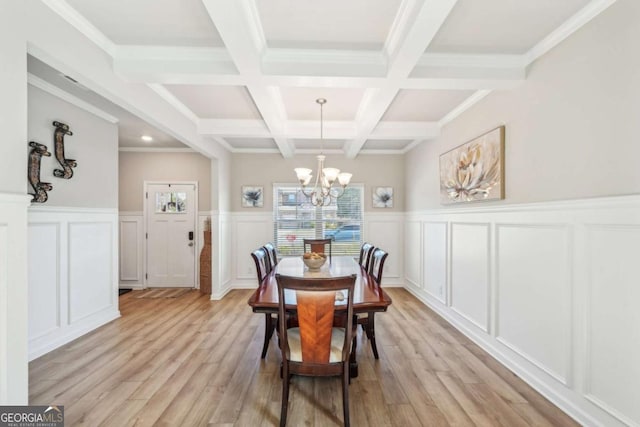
35	157
58	137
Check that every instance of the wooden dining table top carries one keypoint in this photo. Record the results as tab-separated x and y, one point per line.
367	295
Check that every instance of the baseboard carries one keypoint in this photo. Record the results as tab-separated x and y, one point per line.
134	286
554	396
72	333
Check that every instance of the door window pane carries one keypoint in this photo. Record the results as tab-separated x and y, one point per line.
171	202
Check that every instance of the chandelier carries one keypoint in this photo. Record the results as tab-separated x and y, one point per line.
323	189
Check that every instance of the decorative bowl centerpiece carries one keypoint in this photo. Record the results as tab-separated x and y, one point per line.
314	260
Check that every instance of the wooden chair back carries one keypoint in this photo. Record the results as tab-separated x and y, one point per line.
273	256
376	265
261	259
314	348
318	246
365	255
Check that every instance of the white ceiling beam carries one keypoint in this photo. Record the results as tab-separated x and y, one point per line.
416	23
309	129
405	130
313	68
240	29
234	128
324	62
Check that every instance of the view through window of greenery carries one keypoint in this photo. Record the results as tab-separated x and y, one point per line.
295	219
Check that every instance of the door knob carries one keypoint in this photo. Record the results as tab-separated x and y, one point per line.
190	243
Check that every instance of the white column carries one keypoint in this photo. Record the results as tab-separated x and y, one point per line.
13	205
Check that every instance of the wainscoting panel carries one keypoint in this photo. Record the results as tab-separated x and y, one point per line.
44	279
613	330
470	272
73	274
225	257
533	277
90	269
434	249
130	250
386	231
549	289
250	231
413	254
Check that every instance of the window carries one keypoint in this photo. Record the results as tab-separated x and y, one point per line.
296	219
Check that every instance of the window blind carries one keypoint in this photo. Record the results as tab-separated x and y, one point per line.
295	219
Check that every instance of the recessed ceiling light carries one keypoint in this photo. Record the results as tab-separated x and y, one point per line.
146	138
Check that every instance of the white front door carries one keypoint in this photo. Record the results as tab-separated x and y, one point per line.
171	234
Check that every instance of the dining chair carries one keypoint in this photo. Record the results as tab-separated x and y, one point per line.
316	347
365	255
261	258
317	245
367	320
273	256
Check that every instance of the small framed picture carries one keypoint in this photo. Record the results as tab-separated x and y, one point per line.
252	196
383	197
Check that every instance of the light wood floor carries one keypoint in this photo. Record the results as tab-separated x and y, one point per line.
190	361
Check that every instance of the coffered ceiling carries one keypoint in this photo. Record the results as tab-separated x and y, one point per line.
247	72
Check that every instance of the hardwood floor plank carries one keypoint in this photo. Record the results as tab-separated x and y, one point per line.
193	362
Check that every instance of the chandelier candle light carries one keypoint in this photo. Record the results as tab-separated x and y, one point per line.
323	190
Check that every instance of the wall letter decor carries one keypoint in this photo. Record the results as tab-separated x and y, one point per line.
40	188
67	164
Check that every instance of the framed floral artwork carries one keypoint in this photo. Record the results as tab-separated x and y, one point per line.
474	170
252	196
383	197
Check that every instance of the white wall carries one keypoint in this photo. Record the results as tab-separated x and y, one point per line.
137	167
372	170
548	288
571	127
93	145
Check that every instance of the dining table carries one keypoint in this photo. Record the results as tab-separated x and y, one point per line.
368	295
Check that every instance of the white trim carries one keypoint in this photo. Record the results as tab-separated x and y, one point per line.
156	150
573	24
36	81
464	106
71	210
606	202
171	53
81	24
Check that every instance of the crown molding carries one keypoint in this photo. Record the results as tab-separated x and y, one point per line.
81	24
36	81
464	106
570	26
156	150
